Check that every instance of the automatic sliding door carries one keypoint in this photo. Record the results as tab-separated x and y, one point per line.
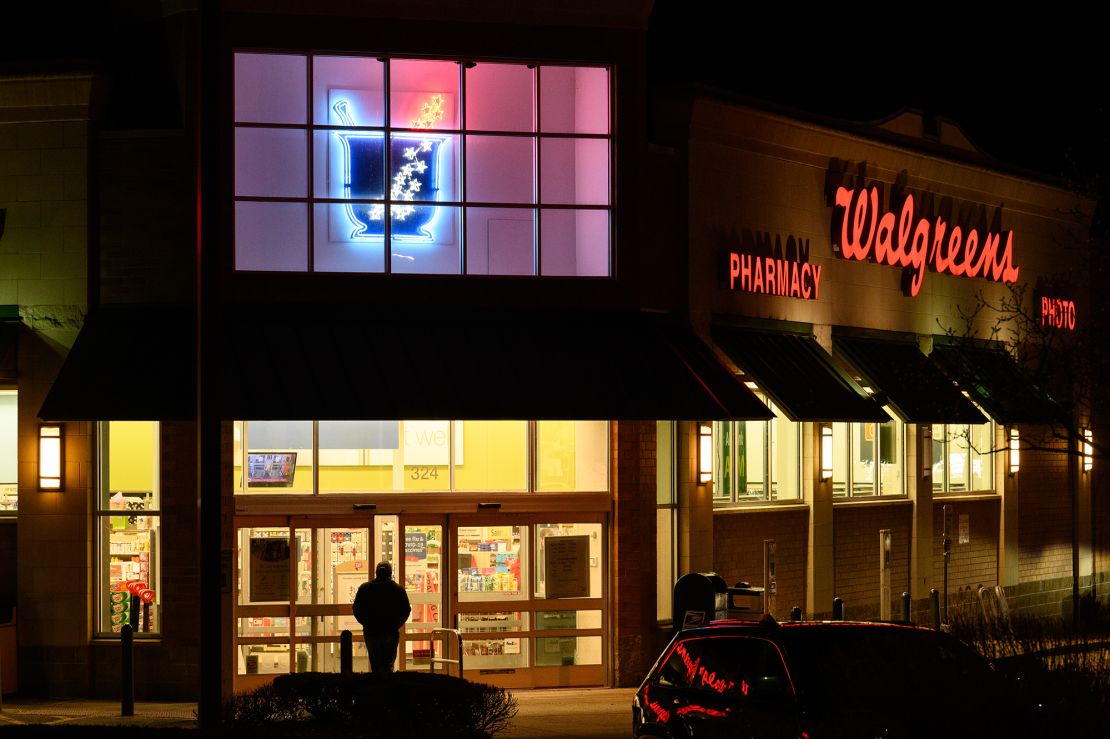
422	576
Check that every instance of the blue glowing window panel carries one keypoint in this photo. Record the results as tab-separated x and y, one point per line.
416	163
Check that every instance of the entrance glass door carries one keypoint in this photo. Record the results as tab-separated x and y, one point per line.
530	600
422	576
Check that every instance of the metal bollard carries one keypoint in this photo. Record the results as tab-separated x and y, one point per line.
795	614
127	671
346	652
838	609
906	607
934	608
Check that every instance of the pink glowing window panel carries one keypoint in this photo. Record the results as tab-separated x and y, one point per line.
269	88
269	162
437	255
574	100
500	97
359	80
500	169
424	94
500	241
333	248
271	237
574	243
575	171
365	164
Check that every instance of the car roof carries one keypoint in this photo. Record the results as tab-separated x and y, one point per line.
770	628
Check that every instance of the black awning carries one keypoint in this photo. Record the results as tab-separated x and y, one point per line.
995	382
798	375
129	362
458	363
903	377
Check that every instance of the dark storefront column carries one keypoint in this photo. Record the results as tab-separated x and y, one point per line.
632	600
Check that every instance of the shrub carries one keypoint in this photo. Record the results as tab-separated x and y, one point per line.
366	705
1061	671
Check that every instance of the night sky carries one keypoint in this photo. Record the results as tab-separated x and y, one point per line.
1030	91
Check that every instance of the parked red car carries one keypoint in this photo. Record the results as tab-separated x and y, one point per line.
818	680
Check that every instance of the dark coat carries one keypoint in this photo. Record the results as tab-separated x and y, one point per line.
381	606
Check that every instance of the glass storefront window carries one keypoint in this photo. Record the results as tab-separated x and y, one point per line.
572	455
867	459
963	458
9	438
757	461
129	526
539	153
420	456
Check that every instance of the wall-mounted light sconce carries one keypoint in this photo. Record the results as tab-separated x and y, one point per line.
1015	452
826	451
705	452
1088	455
52	462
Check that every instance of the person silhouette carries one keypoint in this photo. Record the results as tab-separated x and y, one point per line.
382	607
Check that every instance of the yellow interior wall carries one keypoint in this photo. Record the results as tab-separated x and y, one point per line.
495	456
555	448
131	455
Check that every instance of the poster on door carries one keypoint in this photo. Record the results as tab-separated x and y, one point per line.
566	563
269	569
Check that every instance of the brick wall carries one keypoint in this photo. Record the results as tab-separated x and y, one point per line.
635	638
738	551
1044	517
856	556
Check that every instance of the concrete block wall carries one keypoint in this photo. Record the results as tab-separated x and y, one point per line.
1044	516
856	556
738	551
973	564
146	217
43	255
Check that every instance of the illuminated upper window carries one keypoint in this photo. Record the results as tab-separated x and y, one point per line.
487	168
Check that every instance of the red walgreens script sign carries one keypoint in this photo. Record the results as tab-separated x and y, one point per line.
901	236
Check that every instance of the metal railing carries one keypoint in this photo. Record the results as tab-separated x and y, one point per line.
444	660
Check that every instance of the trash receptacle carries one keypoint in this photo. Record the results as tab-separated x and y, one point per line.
699	597
746	601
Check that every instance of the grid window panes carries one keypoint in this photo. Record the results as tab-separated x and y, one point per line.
868	459
129	526
281	457
477	168
963	458
757	461
9	437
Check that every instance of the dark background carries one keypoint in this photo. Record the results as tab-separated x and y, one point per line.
1029	88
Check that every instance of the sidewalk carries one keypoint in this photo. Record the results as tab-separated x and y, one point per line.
576	713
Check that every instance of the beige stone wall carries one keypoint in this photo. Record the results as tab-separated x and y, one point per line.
754	170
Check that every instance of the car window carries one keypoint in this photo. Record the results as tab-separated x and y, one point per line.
734	667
